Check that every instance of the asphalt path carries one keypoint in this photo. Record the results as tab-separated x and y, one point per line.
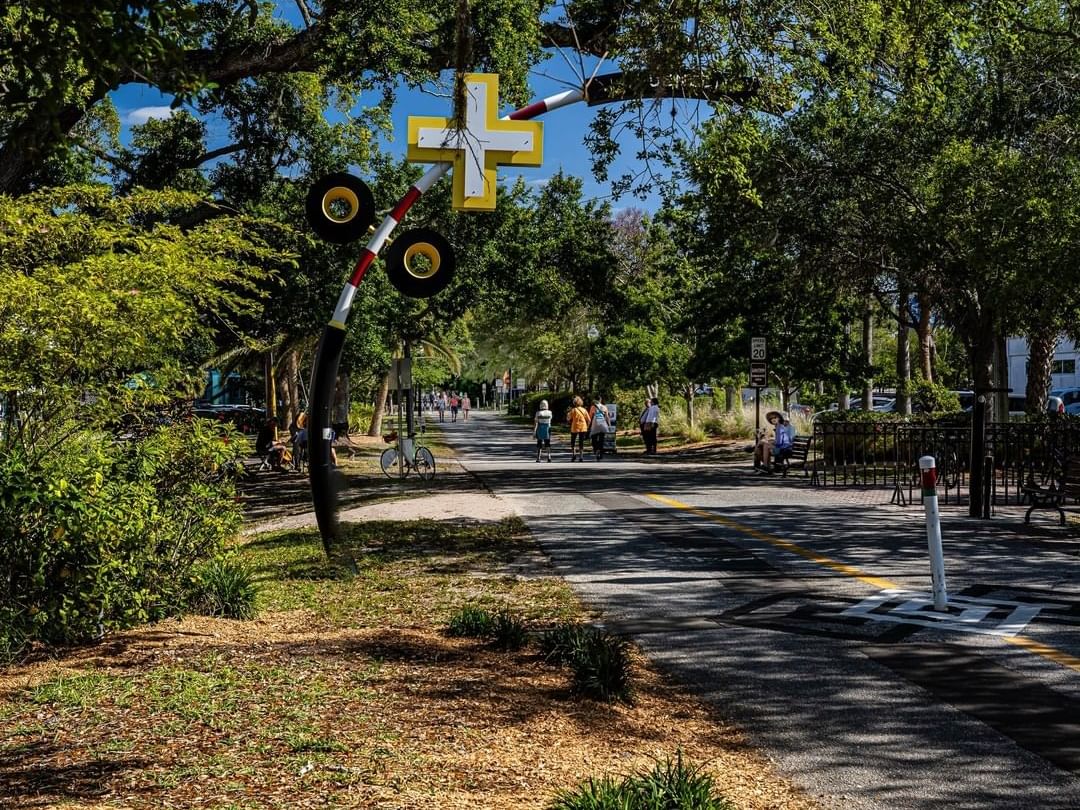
803	614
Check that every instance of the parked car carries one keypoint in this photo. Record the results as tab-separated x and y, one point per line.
1069	396
881	403
245	418
1018	405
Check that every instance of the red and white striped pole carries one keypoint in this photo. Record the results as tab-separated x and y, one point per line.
928	473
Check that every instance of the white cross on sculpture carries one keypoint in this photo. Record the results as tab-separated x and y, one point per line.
485	142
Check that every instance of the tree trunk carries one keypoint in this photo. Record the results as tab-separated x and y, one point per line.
1042	343
291	391
340	411
375	428
903	354
868	356
688	395
1001	379
926	339
981	354
729	398
271	388
843	402
410	423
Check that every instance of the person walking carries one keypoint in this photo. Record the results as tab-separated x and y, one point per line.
578	419
466	404
441	405
542	430
598	425
650	422
454	405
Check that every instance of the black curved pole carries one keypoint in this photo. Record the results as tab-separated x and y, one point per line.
325	480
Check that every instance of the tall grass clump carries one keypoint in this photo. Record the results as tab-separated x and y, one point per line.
602	668
471	622
508	632
560	644
671	784
224	587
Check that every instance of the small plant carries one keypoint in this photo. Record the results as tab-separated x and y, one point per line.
225	588
508	632
471	622
670	785
602	668
561	644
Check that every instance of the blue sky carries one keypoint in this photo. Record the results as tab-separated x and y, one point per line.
564	130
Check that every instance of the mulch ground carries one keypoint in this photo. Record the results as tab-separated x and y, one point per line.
210	712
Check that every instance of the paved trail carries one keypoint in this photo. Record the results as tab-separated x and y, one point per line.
796	611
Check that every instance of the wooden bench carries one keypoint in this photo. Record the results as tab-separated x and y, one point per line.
797	455
1060	486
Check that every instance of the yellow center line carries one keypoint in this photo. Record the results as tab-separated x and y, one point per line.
1050	653
813	556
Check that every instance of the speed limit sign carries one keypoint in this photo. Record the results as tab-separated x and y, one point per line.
757	348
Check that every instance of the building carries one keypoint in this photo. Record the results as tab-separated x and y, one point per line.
1064	372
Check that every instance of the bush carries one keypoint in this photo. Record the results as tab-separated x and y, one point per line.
508	632
97	535
471	622
225	588
929	397
602	667
669	785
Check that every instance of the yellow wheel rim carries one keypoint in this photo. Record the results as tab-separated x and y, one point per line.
336	195
429	252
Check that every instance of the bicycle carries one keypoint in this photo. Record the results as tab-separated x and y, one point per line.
405	457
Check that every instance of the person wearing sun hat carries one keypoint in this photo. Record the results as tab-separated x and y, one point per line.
768	449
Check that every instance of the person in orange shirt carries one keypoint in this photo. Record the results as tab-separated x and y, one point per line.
578	418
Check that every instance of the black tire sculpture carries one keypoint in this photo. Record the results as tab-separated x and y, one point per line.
420	263
340	208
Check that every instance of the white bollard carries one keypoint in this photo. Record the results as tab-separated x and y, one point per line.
928	472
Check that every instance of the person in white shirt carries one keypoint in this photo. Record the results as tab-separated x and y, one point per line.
650	422
542	430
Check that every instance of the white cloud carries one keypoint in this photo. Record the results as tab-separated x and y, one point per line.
140	115
541	182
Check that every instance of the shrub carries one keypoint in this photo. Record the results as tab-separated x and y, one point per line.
508	632
602	667
224	587
669	785
561	643
98	535
930	397
471	622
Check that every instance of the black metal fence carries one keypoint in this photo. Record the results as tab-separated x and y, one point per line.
886	454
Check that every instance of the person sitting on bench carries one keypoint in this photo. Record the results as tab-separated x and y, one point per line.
768	450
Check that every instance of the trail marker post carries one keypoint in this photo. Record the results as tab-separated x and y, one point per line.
928	474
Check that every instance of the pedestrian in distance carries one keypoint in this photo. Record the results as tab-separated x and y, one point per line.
466	404
542	430
650	423
455	403
441	404
578	419
598	425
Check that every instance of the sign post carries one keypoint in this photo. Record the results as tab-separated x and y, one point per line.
759	378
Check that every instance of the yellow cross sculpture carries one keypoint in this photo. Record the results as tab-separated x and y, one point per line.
485	142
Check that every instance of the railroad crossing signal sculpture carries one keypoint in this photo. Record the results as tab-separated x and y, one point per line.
420	263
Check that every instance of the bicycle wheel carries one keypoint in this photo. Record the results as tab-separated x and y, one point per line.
424	463
389	463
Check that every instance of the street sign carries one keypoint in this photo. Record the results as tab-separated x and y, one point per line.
520	384
483	387
500	384
757	349
759	375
